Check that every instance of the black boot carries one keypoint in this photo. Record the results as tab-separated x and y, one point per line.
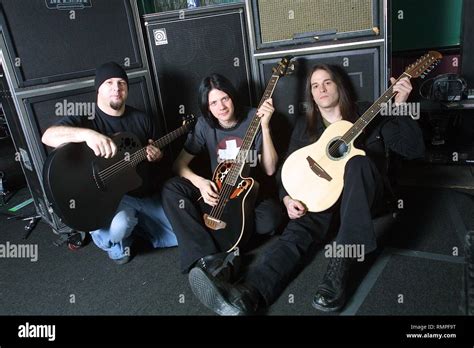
331	293
221	296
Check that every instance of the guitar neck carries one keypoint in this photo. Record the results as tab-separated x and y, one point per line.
140	155
251	133
370	114
168	138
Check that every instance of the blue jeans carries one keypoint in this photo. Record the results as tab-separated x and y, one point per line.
144	216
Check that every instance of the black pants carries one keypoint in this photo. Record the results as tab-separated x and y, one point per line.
180	203
363	192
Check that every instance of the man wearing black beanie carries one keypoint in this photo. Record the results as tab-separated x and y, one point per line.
142	207
107	70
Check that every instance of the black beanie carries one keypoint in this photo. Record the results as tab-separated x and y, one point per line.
107	71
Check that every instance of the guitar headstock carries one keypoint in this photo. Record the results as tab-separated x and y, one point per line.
189	120
424	64
284	67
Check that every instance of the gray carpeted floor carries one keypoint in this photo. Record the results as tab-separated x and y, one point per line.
86	282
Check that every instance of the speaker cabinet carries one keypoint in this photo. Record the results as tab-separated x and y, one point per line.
187	46
280	23
51	41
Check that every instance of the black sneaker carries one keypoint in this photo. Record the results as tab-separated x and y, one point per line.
331	293
122	260
222	297
223	266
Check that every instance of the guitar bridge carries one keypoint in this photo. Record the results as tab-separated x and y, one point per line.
213	223
317	169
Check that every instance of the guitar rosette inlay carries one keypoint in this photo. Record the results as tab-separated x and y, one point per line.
243	185
337	149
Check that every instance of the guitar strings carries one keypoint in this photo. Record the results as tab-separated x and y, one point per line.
118	166
334	148
137	156
225	195
218	209
141	154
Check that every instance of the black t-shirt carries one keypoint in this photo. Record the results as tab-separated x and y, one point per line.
132	121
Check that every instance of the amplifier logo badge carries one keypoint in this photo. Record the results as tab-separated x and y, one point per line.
160	36
68	4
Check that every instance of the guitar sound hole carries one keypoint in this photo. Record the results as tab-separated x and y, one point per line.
338	148
126	144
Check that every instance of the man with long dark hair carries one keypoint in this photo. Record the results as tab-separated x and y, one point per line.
332	98
219	133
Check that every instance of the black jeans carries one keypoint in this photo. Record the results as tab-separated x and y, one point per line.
181	205
363	192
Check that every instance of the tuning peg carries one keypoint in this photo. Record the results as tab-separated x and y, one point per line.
291	69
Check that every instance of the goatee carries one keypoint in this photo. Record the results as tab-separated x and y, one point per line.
116	105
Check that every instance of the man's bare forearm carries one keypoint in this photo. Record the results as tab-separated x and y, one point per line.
57	135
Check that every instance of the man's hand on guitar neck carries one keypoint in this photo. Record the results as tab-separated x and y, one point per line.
295	208
265	112
102	145
403	89
152	152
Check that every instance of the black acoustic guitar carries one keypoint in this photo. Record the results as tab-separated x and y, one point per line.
230	222
85	190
